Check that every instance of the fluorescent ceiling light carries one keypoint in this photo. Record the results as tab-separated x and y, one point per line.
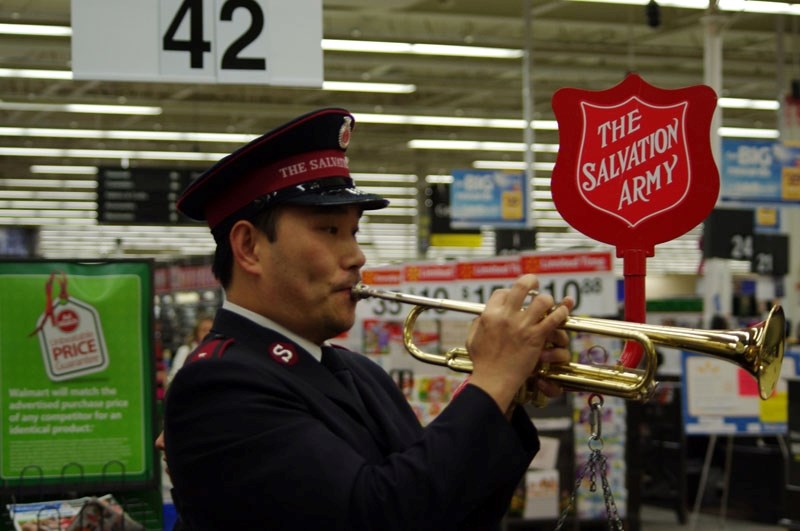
48	183
144	231
385	177
48	205
419	49
35	29
141	110
64	170
110	154
126	135
739	6
511	165
49	195
453	121
61	214
437	179
41	221
744	103
475	145
743	132
35	74
351	86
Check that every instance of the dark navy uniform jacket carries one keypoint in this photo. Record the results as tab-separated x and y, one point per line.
260	435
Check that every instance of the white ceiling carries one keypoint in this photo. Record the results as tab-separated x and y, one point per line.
574	44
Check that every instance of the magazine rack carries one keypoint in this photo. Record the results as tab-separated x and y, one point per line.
142	506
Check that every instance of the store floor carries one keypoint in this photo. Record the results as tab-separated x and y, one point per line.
660	519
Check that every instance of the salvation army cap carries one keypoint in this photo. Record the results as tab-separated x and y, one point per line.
302	162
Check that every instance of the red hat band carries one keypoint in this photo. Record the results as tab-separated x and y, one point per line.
277	176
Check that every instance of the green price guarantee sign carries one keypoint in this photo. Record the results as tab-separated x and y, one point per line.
76	373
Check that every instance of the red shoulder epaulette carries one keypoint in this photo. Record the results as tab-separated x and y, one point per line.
214	347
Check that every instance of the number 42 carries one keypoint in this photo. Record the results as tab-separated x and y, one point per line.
196	45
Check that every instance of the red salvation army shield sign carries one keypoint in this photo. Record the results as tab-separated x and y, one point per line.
639	178
635	166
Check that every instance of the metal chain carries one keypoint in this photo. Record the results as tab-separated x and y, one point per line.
596	461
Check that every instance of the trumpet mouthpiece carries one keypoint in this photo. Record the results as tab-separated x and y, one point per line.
359	291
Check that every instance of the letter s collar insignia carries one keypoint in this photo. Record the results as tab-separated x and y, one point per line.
283	353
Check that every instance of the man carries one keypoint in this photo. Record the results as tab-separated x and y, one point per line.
261	435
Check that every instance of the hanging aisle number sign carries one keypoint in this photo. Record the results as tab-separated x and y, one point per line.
271	42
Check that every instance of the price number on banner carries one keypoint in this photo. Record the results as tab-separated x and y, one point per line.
385	308
480	293
437	291
582	290
388	308
589	293
187	28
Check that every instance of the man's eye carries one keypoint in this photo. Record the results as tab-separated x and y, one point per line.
332	230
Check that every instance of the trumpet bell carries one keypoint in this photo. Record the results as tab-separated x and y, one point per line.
767	355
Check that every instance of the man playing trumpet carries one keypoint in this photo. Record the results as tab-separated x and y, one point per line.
268	426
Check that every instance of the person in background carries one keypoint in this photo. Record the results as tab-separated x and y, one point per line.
270	426
200	330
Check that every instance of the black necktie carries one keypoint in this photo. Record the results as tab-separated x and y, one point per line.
332	360
334	363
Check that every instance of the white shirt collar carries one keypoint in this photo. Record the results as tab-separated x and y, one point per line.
314	349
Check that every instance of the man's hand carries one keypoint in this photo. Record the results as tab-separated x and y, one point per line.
508	341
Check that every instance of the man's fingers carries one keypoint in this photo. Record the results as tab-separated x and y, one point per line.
556	355
548	388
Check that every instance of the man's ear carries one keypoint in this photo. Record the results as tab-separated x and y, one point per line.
244	242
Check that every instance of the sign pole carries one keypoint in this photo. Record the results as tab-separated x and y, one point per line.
527	107
634	268
716	297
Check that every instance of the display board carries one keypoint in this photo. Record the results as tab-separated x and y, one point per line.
718	397
141	196
487	197
76	373
760	171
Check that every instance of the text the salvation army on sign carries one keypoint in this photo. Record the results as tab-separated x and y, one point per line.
635	166
629	168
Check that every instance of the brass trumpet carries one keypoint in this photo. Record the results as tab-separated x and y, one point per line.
758	349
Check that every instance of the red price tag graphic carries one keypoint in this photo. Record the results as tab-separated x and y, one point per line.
70	335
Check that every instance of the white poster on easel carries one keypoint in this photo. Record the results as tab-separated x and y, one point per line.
721	398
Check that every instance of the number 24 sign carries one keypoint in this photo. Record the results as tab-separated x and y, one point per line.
270	42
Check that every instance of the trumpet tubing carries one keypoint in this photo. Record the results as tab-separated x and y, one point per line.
758	349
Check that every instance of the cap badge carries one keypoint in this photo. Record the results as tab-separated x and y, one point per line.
345	132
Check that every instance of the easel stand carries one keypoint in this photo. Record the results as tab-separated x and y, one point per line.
726	476
701	488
